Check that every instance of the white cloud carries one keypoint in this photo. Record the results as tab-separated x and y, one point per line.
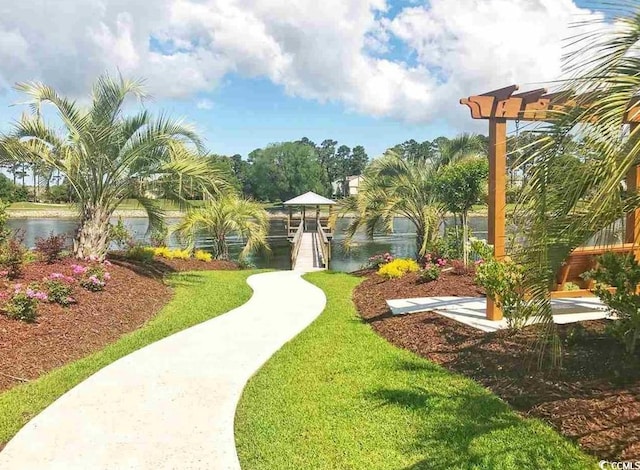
204	104
414	65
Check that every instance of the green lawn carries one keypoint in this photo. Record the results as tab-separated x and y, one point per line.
128	204
30	206
340	397
199	296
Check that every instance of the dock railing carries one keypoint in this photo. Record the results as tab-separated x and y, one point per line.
324	245
295	244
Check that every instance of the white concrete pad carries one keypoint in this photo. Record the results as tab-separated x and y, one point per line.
472	310
170	405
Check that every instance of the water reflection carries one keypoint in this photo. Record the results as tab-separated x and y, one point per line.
400	243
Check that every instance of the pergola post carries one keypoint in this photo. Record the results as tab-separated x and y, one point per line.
632	226
289	221
497	198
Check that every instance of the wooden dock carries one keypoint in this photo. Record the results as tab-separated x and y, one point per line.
310	249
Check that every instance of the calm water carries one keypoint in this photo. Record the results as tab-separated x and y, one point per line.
400	243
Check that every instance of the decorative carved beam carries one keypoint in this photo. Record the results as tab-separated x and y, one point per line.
534	105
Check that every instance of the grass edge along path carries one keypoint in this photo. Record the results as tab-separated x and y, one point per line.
339	397
199	296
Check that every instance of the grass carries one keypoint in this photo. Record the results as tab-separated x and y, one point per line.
128	204
341	397
198	297
30	206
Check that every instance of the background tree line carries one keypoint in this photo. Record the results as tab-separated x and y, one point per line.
284	170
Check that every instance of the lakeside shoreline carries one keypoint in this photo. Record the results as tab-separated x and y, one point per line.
69	213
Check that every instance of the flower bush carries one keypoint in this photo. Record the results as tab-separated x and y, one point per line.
50	249
398	268
93	278
376	261
170	253
22	303
202	255
503	282
60	289
430	272
623	273
438	261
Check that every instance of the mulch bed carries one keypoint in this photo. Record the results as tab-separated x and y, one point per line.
135	293
593	398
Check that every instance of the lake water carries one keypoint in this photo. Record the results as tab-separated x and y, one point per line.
400	243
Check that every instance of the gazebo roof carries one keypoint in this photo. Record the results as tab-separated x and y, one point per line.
309	199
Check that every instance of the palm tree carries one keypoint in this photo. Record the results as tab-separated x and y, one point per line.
565	205
460	147
223	218
395	187
108	157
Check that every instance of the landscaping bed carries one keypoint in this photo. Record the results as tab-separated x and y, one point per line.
134	293
594	398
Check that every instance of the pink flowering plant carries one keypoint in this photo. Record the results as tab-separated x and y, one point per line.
60	289
93	278
378	260
21	303
431	268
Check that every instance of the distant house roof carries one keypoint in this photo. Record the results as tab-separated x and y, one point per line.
309	199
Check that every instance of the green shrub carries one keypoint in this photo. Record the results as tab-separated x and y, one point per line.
398	268
119	234
59	289
159	236
12	257
60	193
570	286
245	263
513	193
140	253
4	217
429	273
503	282
480	249
621	272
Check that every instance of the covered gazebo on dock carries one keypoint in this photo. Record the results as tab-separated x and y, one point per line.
313	231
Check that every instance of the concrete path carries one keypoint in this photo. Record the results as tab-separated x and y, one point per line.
170	405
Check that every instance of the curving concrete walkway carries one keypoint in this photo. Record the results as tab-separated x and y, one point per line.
170	405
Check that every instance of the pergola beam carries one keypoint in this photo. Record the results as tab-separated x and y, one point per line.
534	105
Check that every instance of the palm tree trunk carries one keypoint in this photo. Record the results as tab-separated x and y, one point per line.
419	242
35	184
465	233
92	235
222	251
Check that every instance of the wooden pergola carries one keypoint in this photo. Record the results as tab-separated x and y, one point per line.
500	106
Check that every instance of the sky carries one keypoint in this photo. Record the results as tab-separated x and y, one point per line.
247	73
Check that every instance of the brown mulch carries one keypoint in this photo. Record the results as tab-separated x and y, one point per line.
134	294
594	398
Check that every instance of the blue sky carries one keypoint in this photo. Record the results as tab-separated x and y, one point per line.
362	72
